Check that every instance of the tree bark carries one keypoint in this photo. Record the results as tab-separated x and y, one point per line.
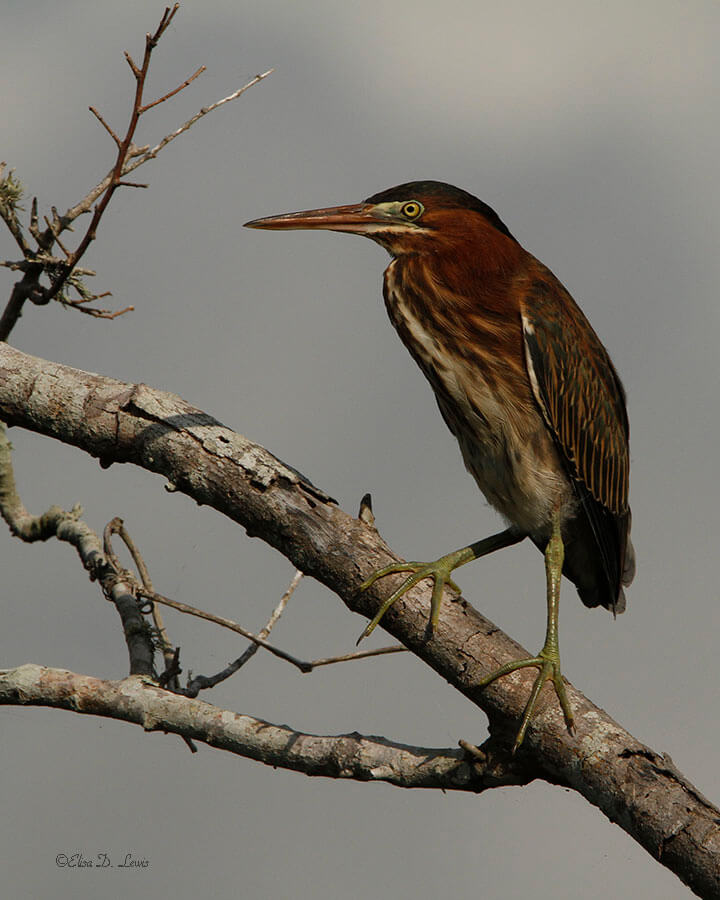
635	787
351	756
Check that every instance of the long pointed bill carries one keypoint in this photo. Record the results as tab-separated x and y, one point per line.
357	218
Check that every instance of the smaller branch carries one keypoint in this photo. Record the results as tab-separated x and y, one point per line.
203	682
132	184
25	289
118	142
98	313
55	227
117	526
124	147
173	670
34	230
24	265
226	623
66	252
167	18
361	654
171	677
153	152
69	527
137	156
133	67
88	299
180	87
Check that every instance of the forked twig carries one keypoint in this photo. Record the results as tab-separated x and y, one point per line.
123	146
152	152
203	682
225	623
304	665
64	273
180	87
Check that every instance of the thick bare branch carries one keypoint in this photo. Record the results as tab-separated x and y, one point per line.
118	422
352	756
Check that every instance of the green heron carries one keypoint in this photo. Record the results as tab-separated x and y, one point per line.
524	384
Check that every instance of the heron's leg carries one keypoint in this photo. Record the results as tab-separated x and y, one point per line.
439	571
548	659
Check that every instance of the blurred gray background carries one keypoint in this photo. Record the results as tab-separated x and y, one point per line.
593	130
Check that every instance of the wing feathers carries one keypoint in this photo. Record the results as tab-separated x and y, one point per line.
583	404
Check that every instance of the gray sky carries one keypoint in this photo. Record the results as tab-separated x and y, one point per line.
593	131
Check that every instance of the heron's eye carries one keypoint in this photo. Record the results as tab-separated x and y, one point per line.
411	209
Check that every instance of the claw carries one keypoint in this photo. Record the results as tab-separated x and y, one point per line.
439	571
420	571
549	671
388	570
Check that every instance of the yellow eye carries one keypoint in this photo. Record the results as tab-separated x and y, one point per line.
412	209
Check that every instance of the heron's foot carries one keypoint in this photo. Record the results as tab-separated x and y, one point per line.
439	570
548	663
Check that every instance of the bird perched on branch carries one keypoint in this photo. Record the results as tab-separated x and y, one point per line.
524	384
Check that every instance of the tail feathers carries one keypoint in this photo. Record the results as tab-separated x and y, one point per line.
628	572
598	596
586	566
595	591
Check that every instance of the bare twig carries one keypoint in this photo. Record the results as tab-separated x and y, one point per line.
138	156
98	313
153	152
226	623
33	227
118	142
123	147
180	87
203	682
129	156
301	664
65	251
361	654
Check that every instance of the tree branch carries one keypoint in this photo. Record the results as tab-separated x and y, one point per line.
69	527
353	756
65	273
634	786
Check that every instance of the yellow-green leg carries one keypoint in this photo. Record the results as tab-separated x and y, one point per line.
440	571
548	659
